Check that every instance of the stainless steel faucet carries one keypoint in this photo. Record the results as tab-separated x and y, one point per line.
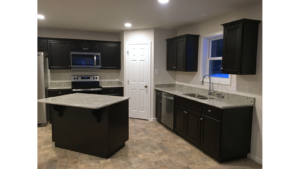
210	92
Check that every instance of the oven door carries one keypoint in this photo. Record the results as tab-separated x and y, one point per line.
85	60
88	91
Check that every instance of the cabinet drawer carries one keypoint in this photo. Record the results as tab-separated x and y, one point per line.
211	111
190	104
58	92
112	91
158	93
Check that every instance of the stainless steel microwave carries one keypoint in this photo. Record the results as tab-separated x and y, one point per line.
85	60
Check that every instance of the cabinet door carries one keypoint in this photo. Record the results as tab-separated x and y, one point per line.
210	135
158	108
110	56
180	54
193	127
42	44
78	45
92	46
180	120
232	49
171	55
59	54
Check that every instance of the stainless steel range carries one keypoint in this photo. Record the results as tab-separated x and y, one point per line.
86	84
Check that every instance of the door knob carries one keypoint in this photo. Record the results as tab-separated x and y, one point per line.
146	86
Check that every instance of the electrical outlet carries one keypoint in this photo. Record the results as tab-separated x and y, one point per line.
233	86
107	76
248	89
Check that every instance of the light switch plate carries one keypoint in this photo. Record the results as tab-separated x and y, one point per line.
156	71
234	86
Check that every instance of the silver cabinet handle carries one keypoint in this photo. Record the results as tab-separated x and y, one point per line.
112	90
174	67
209	110
221	68
69	66
185	112
201	118
58	92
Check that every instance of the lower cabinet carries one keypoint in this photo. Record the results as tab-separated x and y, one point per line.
224	134
53	93
210	135
158	109
113	91
187	124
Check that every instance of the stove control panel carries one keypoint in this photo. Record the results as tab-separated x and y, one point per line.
84	78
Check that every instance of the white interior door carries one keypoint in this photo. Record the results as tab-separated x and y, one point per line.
139	80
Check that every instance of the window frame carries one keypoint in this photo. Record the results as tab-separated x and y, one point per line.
207	57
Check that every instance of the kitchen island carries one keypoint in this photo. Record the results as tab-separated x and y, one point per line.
88	123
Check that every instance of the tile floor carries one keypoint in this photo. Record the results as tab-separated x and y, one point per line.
150	146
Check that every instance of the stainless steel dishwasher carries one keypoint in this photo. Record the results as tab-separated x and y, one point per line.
167	112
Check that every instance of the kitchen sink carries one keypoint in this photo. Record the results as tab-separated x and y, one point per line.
197	96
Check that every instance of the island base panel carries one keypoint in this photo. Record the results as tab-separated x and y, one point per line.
100	132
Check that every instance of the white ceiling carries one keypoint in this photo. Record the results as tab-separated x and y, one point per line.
111	15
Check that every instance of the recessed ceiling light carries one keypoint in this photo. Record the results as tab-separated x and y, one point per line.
40	17
128	24
163	1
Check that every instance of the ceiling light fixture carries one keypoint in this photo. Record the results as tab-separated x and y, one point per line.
40	17
128	24
163	1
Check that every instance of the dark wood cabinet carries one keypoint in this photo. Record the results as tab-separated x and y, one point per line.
54	93
113	91
110	55
59	54
210	135
224	134
182	53
240	47
187	124
42	44
158	108
85	46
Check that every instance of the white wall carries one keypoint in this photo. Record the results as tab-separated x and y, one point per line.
77	34
160	54
138	36
255	81
65	74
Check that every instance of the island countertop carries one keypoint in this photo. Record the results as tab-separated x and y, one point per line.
89	101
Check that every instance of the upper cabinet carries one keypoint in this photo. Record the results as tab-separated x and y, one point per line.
240	47
84	46
182	53
110	55
42	44
59	54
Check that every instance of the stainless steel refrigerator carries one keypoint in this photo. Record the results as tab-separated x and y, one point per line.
42	70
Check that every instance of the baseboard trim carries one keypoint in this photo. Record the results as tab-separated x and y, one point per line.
152	119
251	156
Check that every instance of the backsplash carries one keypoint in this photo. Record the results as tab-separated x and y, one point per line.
67	84
201	91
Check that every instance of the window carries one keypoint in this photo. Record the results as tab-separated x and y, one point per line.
212	59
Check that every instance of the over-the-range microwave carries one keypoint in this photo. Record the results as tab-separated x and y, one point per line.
85	60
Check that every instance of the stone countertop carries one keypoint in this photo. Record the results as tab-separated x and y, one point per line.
216	102
89	101
54	88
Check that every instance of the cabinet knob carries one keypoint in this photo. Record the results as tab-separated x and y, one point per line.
209	110
185	112
58	92
69	66
146	86
174	67
112	90
201	118
221	68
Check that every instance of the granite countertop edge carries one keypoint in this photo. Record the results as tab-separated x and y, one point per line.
202	101
84	106
56	88
112	86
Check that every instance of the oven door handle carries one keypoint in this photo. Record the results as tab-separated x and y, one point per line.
79	90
